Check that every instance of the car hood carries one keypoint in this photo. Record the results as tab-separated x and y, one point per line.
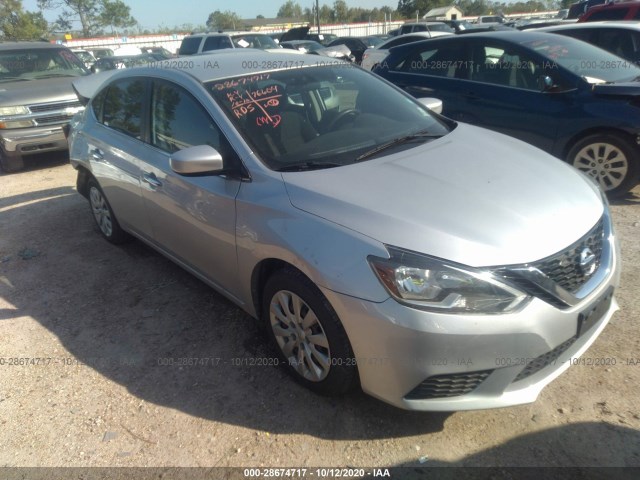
474	196
28	92
624	89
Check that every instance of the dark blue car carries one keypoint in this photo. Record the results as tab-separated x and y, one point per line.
574	100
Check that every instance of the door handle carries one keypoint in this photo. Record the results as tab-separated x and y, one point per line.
97	154
151	179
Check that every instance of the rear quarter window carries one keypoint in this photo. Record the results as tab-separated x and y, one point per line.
189	45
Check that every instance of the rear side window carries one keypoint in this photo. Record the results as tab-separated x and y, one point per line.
216	43
189	45
122	106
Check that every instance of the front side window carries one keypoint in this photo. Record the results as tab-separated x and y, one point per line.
122	106
320	117
178	120
506	66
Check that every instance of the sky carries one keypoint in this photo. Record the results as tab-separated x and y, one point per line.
154	13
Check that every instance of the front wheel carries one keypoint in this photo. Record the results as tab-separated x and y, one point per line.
611	160
309	337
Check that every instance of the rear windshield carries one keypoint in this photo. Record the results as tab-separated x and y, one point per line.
36	64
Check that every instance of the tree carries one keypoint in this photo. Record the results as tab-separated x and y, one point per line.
116	14
92	14
16	24
341	11
290	9
223	20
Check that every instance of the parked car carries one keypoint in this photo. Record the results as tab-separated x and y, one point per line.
158	52
490	19
357	45
612	11
99	53
87	57
578	9
373	56
622	38
574	100
315	48
381	245
413	27
206	42
323	38
124	61
36	99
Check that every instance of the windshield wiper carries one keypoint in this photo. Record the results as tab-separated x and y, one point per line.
301	166
397	141
51	75
13	79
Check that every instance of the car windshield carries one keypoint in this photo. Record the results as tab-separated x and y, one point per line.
591	63
254	41
34	64
322	116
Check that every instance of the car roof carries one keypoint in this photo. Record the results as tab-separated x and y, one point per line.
28	45
515	36
624	24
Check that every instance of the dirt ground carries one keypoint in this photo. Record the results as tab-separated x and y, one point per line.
98	325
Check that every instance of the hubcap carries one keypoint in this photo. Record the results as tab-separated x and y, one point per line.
300	336
605	162
100	211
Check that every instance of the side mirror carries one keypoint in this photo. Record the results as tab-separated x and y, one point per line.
433	104
195	160
545	83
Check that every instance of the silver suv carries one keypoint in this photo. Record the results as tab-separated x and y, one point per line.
36	99
206	42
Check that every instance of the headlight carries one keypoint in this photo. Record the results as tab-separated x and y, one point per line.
436	285
17	110
17	124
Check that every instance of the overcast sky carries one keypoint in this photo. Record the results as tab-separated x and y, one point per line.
153	13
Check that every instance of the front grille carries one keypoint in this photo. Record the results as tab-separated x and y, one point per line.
564	267
451	385
50	107
52	119
544	360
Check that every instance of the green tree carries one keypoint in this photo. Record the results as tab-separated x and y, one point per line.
341	11
92	14
223	20
17	24
290	9
116	15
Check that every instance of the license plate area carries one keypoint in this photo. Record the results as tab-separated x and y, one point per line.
590	317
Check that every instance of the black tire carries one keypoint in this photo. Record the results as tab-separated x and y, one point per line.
612	160
10	164
339	374
103	214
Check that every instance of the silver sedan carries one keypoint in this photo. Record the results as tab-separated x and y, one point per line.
436	265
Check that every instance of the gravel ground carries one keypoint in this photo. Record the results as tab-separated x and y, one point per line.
100	323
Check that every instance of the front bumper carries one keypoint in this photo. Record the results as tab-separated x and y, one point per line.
419	360
25	141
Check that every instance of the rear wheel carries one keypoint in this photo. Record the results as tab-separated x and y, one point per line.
103	215
609	159
309	337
